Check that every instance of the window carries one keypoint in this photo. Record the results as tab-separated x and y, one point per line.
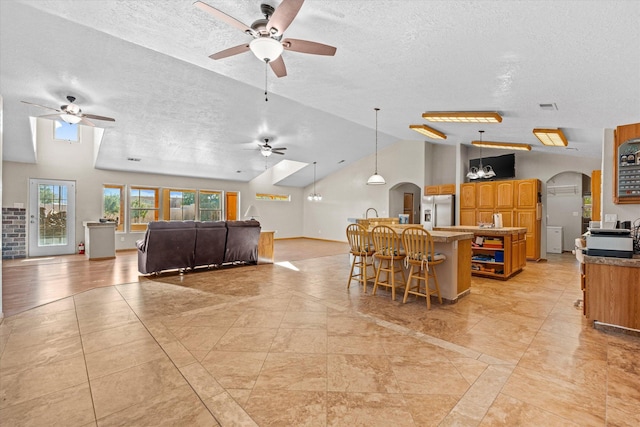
178	205
143	207
65	131
210	205
113	204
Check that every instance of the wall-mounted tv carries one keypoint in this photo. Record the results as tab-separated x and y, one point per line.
503	166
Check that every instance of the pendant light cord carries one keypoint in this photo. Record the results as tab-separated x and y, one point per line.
377	109
314	178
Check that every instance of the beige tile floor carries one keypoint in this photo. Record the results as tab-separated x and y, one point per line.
288	345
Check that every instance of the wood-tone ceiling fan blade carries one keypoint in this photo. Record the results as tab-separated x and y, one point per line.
283	16
305	46
224	17
276	152
278	67
86	122
41	106
50	116
230	52
280	148
93	116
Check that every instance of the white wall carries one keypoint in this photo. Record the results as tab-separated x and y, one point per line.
74	161
443	164
346	194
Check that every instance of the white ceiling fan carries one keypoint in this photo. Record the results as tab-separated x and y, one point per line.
267	150
71	113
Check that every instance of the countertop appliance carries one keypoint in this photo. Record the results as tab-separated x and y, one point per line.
613	242
438	211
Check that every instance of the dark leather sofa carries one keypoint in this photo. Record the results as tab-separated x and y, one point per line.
169	245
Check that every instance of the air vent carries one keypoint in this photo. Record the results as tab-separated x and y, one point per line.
549	107
133	159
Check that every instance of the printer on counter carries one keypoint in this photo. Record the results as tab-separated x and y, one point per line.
611	242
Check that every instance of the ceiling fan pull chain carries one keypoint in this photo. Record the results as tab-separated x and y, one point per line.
266	71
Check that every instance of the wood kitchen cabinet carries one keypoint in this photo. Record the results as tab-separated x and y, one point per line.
516	200
434	190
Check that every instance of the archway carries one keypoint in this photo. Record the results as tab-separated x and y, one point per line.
405	198
568	209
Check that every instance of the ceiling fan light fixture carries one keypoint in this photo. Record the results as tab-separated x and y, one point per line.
71	119
266	49
502	145
551	137
427	131
463	116
265	153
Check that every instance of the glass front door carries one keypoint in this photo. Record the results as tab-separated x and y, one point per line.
51	217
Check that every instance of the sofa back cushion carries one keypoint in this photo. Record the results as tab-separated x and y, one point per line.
169	244
211	239
242	241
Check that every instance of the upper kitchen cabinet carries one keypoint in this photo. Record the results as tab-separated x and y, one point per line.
527	192
626	164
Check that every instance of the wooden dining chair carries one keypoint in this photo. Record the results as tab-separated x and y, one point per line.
361	249
389	253
422	259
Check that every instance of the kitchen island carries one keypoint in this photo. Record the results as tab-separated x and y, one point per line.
454	275
498	253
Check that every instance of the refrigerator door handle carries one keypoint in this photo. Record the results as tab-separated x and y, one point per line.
435	215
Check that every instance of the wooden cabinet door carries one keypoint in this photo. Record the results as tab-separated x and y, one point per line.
485	216
431	190
468	217
526	193
447	189
527	218
507	217
522	253
504	195
486	195
515	252
468	196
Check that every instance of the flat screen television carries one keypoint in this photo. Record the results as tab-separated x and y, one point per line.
504	166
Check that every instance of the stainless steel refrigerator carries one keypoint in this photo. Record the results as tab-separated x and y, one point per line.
438	211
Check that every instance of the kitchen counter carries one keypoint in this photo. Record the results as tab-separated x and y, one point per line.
485	231
607	260
454	275
612	292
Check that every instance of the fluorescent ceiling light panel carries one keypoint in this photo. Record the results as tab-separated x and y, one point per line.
502	145
463	116
427	131
552	137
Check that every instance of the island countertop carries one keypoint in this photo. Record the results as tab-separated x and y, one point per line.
438	235
621	262
486	231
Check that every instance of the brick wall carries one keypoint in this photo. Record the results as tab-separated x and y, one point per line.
14	233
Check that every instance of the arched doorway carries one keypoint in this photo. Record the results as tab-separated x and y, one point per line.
568	209
405	198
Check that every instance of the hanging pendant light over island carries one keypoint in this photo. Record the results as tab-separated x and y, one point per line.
376	179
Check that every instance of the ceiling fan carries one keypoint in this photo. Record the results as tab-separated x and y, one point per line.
71	113
267	43
266	150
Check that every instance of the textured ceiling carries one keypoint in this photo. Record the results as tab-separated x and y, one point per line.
146	64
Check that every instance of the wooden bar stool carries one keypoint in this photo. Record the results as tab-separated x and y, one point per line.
422	259
389	254
361	249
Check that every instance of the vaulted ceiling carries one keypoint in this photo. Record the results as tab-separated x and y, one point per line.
146	64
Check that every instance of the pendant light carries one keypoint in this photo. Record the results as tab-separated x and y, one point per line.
314	197
481	172
376	179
